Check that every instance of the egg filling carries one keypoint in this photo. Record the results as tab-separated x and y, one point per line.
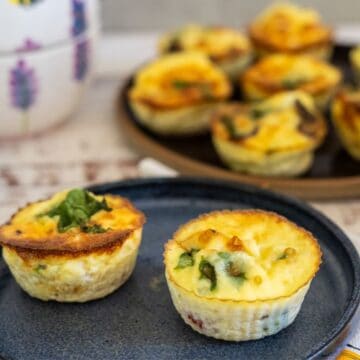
239	275
278	73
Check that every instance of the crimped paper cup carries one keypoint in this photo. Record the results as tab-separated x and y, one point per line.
74	277
186	121
281	163
236	320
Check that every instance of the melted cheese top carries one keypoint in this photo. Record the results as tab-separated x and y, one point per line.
285	72
31	225
179	80
289	27
220	43
255	255
278	129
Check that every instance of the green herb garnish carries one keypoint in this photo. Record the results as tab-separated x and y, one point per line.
207	271
39	268
77	208
204	88
93	229
235	272
224	255
186	259
234	132
257	113
292	83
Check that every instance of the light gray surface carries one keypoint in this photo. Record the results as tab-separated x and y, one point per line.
162	14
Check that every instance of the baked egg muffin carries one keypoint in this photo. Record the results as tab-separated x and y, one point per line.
240	275
176	94
74	246
279	72
276	137
228	48
291	29
346	120
355	63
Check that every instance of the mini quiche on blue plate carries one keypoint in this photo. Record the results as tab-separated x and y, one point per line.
240	275
291	29
281	72
74	246
275	137
176	94
228	48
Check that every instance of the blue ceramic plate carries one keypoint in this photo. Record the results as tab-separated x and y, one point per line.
139	321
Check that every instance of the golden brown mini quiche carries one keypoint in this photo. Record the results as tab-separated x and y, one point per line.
228	48
240	275
346	119
277	73
276	137
73	247
290	29
355	63
176	94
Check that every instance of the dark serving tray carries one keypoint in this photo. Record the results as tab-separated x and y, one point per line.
139	321
334	173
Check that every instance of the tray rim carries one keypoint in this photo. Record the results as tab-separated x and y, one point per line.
341	330
344	187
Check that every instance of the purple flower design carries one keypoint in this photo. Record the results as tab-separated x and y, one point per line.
79	17
28	45
81	60
23	88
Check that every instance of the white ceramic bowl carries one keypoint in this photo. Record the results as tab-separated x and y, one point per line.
41	88
40	23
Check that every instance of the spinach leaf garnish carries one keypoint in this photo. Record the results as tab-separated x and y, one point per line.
235	272
186	259
207	271
292	83
76	209
258	113
235	132
204	88
39	268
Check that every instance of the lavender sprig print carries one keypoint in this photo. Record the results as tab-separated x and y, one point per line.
79	17
81	60
23	89
28	45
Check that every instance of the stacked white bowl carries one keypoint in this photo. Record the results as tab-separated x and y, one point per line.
47	50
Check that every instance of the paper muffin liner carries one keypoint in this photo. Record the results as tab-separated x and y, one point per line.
290	163
236	320
186	121
79	278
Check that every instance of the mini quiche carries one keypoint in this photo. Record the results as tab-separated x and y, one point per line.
280	72
73	247
346	119
290	29
355	63
226	47
176	94
240	275
276	137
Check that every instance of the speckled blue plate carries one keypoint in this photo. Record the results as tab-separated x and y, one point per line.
139	321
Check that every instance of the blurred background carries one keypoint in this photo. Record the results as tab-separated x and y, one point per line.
153	15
